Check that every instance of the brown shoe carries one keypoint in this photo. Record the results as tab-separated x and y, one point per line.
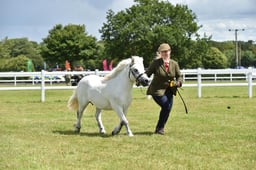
160	131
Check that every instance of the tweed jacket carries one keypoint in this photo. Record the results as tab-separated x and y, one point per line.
161	78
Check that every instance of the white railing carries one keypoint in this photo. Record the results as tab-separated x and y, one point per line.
196	76
249	74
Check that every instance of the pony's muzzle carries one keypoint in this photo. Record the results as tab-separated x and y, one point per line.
143	80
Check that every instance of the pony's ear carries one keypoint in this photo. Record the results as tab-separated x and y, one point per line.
132	60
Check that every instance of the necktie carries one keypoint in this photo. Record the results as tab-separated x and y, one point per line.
166	64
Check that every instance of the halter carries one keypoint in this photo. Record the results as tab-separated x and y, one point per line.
134	74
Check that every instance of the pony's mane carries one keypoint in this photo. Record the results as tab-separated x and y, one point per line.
121	65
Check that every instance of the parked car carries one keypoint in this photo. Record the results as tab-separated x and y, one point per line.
54	78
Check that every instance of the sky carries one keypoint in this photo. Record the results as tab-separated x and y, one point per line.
34	18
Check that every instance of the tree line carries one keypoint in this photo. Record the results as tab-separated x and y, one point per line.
137	30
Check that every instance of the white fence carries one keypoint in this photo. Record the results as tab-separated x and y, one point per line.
196	78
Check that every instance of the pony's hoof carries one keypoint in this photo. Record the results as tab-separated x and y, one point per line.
130	135
113	133
77	129
102	132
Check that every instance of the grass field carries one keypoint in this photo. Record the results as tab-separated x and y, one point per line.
37	135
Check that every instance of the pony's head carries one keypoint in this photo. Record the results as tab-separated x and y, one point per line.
137	71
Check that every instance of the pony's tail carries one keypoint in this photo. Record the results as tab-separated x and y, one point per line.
73	101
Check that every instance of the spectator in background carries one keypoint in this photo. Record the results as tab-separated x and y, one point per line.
68	78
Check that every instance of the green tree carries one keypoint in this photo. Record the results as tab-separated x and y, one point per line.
18	63
214	59
11	48
247	52
231	60
198	49
222	46
140	29
4	49
71	43
248	59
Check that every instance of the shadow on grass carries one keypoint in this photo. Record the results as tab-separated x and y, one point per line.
89	134
94	134
227	97
148	133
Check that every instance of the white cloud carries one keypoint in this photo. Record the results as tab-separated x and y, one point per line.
118	5
39	16
218	28
218	16
34	18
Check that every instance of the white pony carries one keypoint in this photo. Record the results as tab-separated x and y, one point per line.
113	92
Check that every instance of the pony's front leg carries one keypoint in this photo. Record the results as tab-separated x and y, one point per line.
99	121
123	121
129	132
117	129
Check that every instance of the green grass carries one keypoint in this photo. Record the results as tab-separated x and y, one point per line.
37	135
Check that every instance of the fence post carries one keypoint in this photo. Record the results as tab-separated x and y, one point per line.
97	72
51	79
33	80
250	82
42	86
15	80
199	83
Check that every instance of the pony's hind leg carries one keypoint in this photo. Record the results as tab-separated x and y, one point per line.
79	116
99	121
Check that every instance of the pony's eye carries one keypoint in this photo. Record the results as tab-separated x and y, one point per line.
136	70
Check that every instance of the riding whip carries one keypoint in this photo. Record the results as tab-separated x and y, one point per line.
173	84
185	106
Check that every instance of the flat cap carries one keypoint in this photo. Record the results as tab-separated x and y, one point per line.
164	47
